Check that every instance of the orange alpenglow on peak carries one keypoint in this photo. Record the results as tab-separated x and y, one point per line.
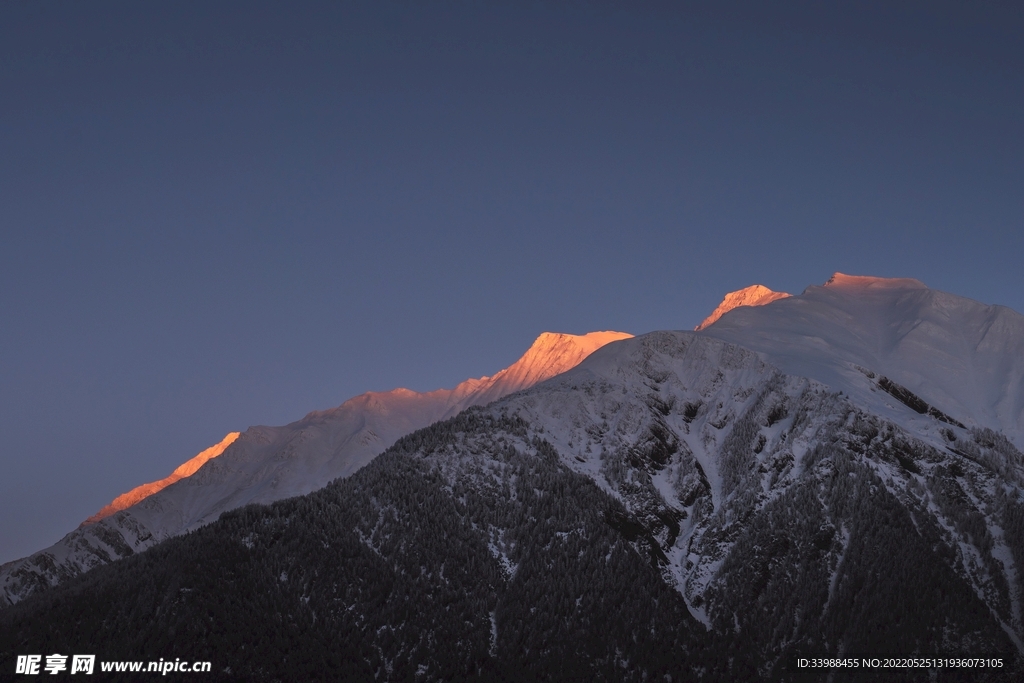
843	281
186	469
754	295
552	353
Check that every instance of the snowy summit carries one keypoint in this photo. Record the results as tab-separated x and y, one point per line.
754	295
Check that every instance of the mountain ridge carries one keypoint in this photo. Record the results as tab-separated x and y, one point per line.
186	469
674	504
264	464
964	357
790	481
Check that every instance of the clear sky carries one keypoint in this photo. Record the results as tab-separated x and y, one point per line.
219	214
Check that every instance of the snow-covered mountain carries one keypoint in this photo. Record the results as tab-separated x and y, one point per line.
264	464
714	451
964	358
786	429
798	478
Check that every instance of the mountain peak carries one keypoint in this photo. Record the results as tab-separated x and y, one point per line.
552	353
842	281
754	295
548	341
962	357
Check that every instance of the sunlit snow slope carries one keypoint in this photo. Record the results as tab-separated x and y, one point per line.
754	295
186	469
265	464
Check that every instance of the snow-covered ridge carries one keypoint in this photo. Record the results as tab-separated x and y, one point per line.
552	353
754	295
961	356
867	282
186	469
933	364
264	464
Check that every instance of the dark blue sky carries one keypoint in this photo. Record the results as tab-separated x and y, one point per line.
221	214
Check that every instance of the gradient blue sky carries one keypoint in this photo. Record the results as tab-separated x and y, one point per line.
219	214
